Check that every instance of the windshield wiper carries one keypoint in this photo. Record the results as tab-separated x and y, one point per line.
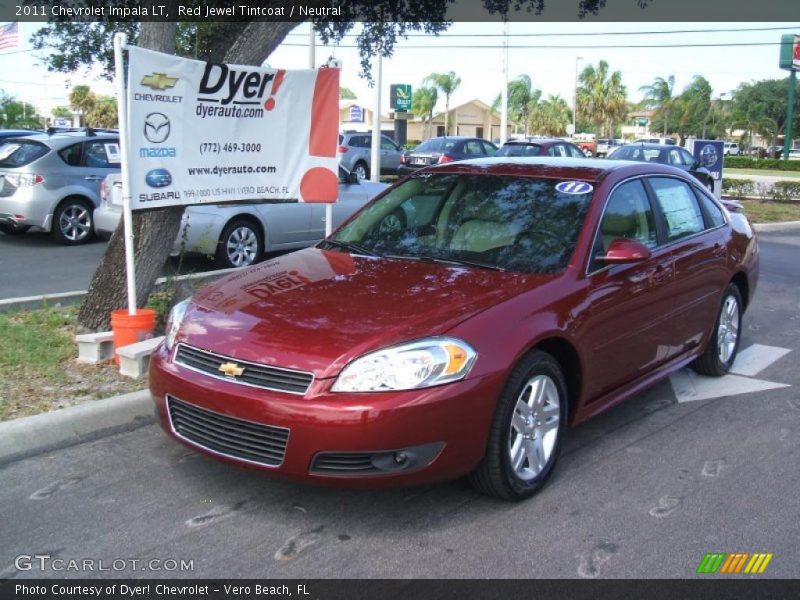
447	261
351	247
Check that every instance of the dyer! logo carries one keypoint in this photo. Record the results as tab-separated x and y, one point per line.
735	563
222	84
156	127
159	81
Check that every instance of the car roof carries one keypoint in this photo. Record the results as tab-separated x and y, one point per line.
535	142
587	169
652	146
65	138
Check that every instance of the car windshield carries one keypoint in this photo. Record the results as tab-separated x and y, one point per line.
519	150
18	153
520	224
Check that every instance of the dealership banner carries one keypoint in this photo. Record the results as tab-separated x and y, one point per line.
206	132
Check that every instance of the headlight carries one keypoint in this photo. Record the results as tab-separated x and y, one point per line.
415	365
174	322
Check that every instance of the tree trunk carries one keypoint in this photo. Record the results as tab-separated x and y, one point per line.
155	231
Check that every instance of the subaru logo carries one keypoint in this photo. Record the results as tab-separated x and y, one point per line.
158	178
156	127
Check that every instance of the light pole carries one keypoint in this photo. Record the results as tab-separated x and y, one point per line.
578	59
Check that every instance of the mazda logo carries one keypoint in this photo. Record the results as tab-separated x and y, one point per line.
156	127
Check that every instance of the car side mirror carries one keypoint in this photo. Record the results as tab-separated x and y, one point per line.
624	251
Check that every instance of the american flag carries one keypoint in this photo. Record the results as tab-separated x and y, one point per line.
9	35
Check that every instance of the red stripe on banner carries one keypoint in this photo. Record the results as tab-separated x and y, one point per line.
324	135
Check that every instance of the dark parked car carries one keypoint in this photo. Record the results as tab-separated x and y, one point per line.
665	155
540	147
441	150
514	298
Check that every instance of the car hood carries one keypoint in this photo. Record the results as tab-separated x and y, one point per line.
316	310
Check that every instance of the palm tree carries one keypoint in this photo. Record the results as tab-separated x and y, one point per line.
521	99
659	95
346	93
82	100
422	104
447	83
602	98
551	116
103	113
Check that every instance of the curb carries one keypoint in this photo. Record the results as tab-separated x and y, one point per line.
786	225
69	298
28	436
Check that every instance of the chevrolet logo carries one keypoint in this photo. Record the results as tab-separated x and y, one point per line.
231	369
159	81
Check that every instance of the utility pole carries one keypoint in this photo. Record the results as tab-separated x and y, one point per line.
375	169
788	141
504	92
578	59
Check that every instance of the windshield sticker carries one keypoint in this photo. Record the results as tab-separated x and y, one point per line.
113	153
574	187
8	150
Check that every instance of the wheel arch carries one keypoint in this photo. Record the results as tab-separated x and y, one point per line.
741	281
566	355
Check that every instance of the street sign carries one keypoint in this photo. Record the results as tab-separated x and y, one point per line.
356	114
400	96
790	52
403	116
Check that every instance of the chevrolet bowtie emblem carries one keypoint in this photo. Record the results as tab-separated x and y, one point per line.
159	81
231	369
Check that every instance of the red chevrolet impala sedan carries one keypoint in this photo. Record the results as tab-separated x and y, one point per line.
459	323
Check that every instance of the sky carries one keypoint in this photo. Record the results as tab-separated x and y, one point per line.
726	62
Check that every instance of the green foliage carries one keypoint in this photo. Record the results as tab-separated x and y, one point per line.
103	113
346	93
36	340
61	112
760	107
738	188
602	98
786	191
18	115
772	164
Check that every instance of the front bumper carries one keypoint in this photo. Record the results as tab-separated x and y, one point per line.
444	427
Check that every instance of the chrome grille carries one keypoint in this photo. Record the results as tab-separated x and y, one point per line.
261	376
228	436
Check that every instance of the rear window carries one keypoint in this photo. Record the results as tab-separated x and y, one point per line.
18	153
519	150
429	146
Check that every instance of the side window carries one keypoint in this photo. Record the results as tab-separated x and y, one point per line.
387	144
688	159
713	213
557	150
575	152
473	147
72	155
488	148
628	215
679	206
103	154
675	158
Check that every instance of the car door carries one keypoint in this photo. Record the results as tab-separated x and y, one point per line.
472	149
628	306
286	222
390	156
89	163
698	247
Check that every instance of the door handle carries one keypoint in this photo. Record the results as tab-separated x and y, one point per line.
661	274
719	250
93	177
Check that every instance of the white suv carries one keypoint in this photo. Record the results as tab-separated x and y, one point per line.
731	148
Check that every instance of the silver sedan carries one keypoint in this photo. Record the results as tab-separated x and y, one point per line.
237	234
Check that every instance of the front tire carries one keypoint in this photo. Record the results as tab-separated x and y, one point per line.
526	431
239	245
720	353
73	222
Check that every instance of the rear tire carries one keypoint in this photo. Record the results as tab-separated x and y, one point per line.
720	353
526	431
361	170
73	222
240	244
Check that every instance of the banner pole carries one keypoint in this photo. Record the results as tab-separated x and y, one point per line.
120	43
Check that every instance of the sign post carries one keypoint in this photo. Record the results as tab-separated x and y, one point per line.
400	100
120	43
789	60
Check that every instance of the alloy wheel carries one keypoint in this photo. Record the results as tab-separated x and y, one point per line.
534	427
728	330
242	247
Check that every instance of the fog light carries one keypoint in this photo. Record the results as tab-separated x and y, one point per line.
400	458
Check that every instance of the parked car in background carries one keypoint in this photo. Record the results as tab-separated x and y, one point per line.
730	149
520	297
540	147
794	154
440	150
237	234
665	155
606	145
53	182
665	141
355	154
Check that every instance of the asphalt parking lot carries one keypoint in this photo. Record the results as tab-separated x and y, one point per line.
645	490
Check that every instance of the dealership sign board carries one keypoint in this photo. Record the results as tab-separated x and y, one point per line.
205	132
790	52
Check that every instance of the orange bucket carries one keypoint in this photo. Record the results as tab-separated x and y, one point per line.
129	329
